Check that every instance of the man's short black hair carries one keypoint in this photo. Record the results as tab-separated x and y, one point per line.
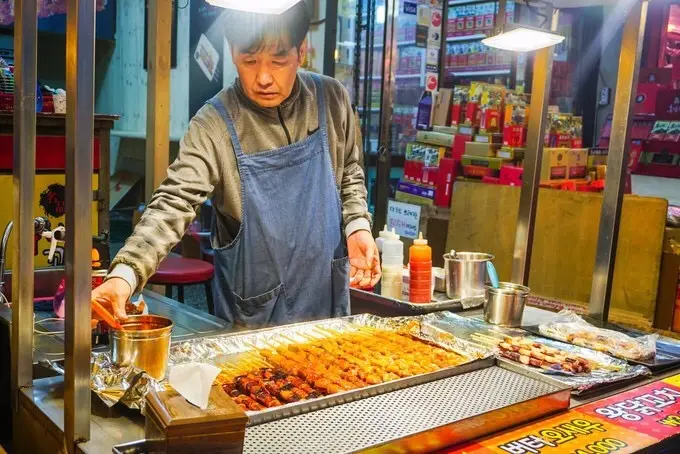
251	32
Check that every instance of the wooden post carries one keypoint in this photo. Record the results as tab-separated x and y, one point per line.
158	95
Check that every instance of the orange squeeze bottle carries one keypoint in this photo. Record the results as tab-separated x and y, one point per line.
420	270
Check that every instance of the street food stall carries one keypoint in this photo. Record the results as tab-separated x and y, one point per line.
425	382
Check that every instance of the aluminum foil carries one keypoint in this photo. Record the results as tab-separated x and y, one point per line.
608	370
129	386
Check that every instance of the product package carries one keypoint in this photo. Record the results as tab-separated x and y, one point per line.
555	164
491	105
673	134
569	327
577	161
472	109
458	103
660	130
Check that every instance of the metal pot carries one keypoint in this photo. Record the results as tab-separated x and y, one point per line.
505	305
143	343
465	274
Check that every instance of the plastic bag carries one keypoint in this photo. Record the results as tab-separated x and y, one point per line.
569	327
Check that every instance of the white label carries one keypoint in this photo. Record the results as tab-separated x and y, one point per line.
404	218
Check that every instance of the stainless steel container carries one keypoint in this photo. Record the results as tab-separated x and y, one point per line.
465	274
505	305
144	343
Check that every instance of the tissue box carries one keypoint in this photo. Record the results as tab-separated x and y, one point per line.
182	427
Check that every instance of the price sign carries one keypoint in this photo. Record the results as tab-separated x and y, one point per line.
404	218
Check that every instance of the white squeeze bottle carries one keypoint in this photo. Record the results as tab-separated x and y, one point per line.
392	266
382	236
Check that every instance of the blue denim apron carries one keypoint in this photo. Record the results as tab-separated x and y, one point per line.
288	262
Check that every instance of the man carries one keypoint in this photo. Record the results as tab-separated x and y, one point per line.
277	152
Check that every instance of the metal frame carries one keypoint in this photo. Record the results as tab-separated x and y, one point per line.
25	43
526	219
330	38
80	32
619	148
384	161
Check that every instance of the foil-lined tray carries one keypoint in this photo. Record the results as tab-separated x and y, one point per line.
113	383
610	371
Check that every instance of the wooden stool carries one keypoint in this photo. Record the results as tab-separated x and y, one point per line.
177	272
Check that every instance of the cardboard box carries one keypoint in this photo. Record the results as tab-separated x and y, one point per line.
668	105
514	136
597	157
459	142
577	161
511	175
467	130
419	190
493	163
442	107
555	164
472	171
510	153
489	138
481	149
451	130
414	199
435	138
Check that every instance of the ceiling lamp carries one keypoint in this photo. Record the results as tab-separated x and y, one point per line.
256	6
522	38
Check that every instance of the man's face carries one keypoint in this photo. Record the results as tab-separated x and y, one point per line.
268	76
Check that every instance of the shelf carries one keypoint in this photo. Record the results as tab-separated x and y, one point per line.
455	39
378	46
372	159
398	76
466	2
491	72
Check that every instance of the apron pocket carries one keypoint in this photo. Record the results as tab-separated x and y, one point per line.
340	282
262	310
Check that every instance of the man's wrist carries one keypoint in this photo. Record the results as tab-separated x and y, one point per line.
357	225
126	273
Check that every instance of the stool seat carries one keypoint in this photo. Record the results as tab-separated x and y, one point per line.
182	271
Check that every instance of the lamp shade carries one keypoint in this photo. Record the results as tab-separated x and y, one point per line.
256	6
519	38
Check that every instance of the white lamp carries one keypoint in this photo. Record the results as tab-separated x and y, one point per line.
522	38
256	6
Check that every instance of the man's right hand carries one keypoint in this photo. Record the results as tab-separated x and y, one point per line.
112	294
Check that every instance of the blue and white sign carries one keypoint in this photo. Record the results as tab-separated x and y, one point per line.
411	8
404	218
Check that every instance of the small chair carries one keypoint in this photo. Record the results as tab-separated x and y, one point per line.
176	271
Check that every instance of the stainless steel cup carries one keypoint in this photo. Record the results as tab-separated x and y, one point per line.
144	343
465	274
505	305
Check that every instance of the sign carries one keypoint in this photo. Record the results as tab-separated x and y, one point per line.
206	44
410	8
626	422
431	81
404	218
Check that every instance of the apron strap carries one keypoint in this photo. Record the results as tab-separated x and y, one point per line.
321	106
222	110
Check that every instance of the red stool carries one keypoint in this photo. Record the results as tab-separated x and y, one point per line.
177	271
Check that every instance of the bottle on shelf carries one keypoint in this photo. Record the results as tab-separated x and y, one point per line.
420	271
392	266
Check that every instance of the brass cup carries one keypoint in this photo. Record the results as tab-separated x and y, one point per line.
143	343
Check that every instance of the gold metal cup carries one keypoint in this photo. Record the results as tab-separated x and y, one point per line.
143	343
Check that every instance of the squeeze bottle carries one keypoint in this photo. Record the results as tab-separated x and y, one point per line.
382	236
420	271
392	266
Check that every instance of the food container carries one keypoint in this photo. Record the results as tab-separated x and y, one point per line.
465	274
505	305
143	343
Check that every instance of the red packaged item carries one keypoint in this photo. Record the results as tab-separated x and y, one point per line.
668	105
645	100
514	136
458	149
511	175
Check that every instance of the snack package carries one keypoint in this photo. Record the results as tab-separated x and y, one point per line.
569	327
472	116
659	130
491	105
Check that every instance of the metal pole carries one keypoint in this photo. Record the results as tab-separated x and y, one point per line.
330	38
528	201
158	95
80	32
619	147
25	79
386	109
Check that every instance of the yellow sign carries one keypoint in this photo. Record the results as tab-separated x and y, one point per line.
48	191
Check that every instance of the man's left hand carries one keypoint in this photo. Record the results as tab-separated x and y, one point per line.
364	260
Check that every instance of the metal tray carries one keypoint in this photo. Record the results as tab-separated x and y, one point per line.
441	303
667	350
220	349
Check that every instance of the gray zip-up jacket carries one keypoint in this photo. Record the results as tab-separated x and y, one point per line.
206	166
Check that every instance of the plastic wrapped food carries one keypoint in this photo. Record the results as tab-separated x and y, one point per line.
569	327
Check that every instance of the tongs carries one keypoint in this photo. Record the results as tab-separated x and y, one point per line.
106	316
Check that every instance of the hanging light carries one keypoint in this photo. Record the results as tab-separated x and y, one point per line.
256	6
522	38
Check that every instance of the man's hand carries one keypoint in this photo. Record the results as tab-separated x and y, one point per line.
112	294
364	260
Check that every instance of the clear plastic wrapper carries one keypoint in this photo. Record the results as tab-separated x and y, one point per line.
571	328
605	369
127	385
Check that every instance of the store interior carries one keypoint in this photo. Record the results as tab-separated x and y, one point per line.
552	175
